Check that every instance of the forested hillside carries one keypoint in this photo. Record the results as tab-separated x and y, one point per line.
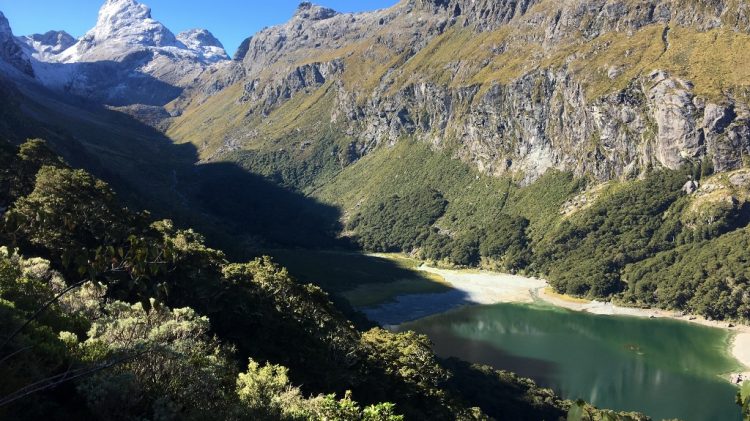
674	239
108	313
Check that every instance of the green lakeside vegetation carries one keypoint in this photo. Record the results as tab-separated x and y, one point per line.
640	242
109	313
743	400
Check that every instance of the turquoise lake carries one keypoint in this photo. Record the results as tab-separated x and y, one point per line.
663	368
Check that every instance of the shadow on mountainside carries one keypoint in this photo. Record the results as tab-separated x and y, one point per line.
116	83
237	211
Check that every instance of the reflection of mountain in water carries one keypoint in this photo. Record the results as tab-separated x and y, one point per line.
613	362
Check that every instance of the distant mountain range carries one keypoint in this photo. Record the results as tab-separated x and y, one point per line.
127	58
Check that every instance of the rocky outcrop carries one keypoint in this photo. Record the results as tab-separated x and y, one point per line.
307	10
483	14
314	30
11	52
595	17
544	120
672	106
267	96
205	44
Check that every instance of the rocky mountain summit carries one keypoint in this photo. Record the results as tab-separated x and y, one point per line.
122	25
204	44
125	26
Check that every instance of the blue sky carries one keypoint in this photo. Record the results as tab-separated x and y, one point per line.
229	20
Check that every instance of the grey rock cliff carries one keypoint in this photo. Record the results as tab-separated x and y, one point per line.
540	120
11	52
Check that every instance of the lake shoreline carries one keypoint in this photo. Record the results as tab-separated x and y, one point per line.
485	287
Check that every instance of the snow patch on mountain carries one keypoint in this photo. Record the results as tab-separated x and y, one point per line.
122	26
45	47
203	43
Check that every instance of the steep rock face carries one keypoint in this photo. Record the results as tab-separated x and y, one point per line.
128	58
283	87
10	51
594	17
677	137
484	14
307	10
544	120
311	27
314	30
607	88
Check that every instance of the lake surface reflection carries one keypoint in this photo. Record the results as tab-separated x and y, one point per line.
663	368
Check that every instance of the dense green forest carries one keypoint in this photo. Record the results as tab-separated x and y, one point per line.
108	314
644	242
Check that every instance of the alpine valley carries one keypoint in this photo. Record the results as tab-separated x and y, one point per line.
603	145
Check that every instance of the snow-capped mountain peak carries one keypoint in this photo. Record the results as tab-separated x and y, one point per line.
127	58
47	45
204	43
126	26
122	26
131	21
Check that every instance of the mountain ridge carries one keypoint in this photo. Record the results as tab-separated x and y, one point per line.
47	45
10	52
540	50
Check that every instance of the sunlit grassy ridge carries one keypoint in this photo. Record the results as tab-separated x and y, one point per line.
412	166
207	125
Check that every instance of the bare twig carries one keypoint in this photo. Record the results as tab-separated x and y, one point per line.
68	375
12	354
